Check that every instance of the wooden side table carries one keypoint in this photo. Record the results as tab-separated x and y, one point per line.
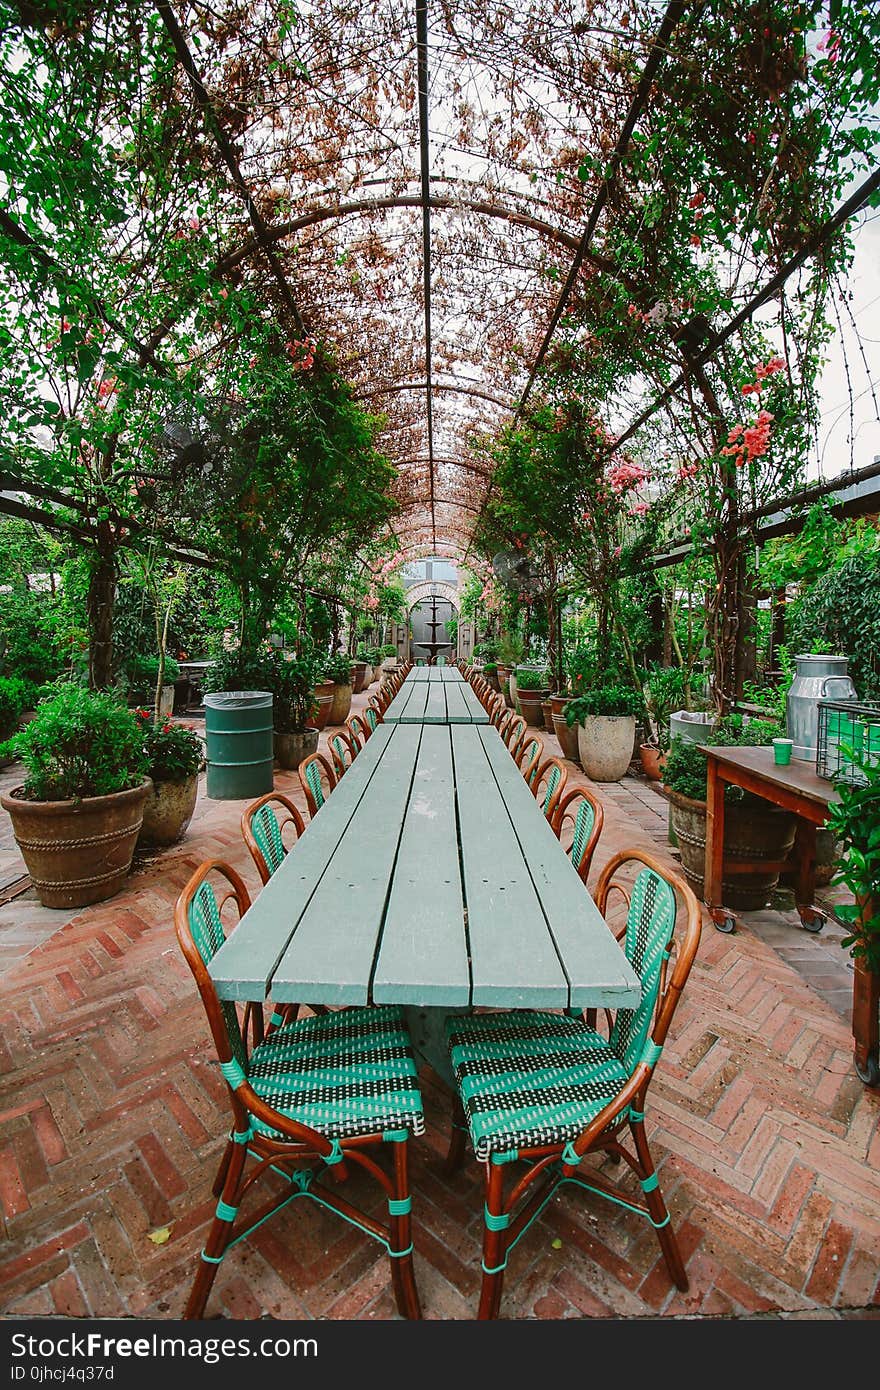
795	788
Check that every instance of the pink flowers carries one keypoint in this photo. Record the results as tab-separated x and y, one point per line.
302	353
640	508
829	44
747	442
626	475
688	470
194	223
696	240
697	200
776	364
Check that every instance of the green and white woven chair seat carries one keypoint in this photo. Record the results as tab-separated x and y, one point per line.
530	1079
344	1074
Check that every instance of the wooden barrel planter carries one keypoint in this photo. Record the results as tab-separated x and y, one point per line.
753	831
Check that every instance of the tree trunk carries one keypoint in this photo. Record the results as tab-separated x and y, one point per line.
100	605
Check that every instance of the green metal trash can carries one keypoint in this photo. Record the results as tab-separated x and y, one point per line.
238	733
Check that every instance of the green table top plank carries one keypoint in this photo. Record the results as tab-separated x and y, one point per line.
423	955
598	973
418	673
471	699
398	707
451	675
414	713
457	708
330	957
513	960
243	967
435	708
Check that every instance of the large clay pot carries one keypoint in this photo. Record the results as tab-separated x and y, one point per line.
752	830
77	852
530	703
168	811
290	749
358	676
652	760
558	703
605	744
547	711
323	692
568	737
340	706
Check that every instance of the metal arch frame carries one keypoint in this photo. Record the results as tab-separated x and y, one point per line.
425	162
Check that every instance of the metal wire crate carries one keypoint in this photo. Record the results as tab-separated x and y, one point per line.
849	735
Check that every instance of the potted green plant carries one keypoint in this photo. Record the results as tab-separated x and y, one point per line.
753	828
663	692
532	688
140	674
337	668
293	685
389	660
175	757
855	822
606	723
16	696
77	815
509	650
490	671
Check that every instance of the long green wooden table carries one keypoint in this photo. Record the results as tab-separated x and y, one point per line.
439	701
447	674
429	878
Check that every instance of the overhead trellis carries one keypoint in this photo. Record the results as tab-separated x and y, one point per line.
476	207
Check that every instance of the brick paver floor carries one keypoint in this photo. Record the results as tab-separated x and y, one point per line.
112	1113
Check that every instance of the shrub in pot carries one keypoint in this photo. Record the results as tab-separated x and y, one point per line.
175	757
490	671
606	724
293	686
337	668
532	688
753	828
77	816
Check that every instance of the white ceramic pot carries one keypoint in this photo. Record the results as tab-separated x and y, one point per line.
605	745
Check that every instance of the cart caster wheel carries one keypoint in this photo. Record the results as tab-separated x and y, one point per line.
726	925
814	923
870	1073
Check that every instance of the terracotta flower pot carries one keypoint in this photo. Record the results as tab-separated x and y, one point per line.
752	830
568	737
340	705
605	745
504	683
77	852
290	749
168	811
530	703
323	692
547	710
558	703
358	676
652	760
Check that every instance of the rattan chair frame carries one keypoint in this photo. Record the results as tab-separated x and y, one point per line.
538	780
508	1215
566	810
350	746
531	751
292	816
328	774
285	1158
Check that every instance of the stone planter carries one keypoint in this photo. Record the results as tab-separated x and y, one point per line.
530	703
290	749
752	830
377	674
492	678
77	852
340	706
568	738
168	811
605	744
652	760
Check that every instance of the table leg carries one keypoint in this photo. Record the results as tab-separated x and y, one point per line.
714	865
805	876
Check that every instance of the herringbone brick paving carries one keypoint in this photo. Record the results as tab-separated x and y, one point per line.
112	1113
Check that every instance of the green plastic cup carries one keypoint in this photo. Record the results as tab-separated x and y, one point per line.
782	751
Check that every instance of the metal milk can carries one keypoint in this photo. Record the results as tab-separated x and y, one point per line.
816	678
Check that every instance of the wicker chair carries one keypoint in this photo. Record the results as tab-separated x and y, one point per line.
548	784
317	780
582	811
286	1113
343	751
263	824
582	1109
531	751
